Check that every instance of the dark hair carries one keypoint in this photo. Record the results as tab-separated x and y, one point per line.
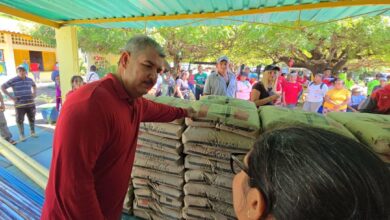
75	78
20	68
311	173
93	68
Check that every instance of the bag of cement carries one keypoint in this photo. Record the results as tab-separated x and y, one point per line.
215	138
167	101
236	117
142	213
167	130
371	129
199	213
148	153
209	191
250	134
157	208
129	198
143	193
344	118
374	134
210	152
274	117
161	189
204	123
157	165
204	164
169	213
217	206
156	177
146	193
159	143
223	100
224	181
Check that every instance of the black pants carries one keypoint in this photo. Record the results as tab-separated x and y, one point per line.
198	93
20	113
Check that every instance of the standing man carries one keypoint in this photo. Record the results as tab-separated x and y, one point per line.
200	80
96	136
328	78
25	91
373	83
26	66
222	82
92	76
349	83
316	92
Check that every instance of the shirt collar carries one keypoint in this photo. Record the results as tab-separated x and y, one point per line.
119	89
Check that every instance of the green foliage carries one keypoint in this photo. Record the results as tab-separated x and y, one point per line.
104	41
44	33
311	45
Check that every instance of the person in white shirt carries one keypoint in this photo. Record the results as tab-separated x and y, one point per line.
92	75
316	92
159	83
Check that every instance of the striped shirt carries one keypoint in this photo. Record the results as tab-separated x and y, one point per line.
22	91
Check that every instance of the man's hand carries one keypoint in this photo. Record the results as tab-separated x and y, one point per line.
191	113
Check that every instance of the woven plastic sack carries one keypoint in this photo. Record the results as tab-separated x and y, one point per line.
157	177
159	188
274	117
159	166
167	130
204	164
210	152
224	100
220	180
217	206
148	153
159	143
216	138
208	191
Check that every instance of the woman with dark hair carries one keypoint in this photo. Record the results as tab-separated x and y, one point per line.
76	82
301	173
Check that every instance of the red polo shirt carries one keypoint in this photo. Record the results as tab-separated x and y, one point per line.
291	92
93	150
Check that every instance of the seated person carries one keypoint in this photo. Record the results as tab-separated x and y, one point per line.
356	99
301	173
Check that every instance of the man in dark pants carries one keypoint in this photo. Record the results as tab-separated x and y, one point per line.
24	90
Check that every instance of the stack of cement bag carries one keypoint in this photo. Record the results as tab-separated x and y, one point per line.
223	126
158	171
371	129
128	203
274	117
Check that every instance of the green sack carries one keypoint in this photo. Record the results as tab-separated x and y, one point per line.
223	100
272	117
239	117
371	129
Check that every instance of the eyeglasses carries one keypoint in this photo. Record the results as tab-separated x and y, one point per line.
236	162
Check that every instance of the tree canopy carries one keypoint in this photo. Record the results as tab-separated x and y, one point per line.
359	42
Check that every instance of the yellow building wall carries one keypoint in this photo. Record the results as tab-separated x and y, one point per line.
21	55
49	60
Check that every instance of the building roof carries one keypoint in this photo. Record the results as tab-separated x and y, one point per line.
159	13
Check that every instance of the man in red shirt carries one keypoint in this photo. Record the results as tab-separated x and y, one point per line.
291	90
379	102
96	137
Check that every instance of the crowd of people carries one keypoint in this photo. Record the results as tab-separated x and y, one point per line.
321	92
94	143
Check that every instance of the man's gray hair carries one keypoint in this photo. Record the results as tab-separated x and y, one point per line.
141	42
